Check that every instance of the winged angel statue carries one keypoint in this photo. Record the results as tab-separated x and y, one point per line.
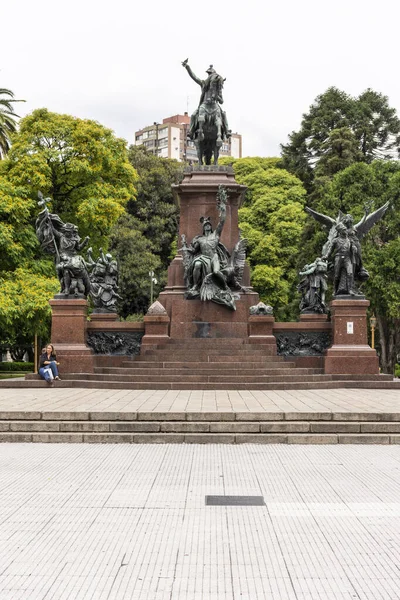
211	272
343	244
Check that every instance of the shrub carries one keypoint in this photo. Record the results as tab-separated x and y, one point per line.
16	366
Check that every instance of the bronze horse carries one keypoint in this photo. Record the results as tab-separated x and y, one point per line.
208	124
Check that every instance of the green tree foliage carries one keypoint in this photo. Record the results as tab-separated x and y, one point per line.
27	281
79	163
145	239
24	306
349	191
136	258
85	169
155	212
272	220
339	130
18	241
8	120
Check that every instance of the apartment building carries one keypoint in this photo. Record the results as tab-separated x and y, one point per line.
169	140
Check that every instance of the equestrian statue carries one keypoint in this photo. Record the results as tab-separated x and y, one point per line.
208	124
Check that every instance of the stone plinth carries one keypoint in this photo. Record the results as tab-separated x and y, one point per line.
350	352
196	197
313	318
68	334
260	330
156	329
197	319
104	317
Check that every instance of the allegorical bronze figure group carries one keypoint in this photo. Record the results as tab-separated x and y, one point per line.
78	277
343	247
211	272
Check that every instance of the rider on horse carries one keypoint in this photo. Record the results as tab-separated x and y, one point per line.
209	110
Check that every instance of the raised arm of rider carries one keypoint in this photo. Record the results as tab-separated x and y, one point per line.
193	76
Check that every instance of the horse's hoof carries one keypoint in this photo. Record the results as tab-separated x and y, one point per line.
219	143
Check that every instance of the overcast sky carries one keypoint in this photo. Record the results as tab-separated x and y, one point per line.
119	62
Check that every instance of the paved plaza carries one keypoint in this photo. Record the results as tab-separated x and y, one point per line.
130	522
175	401
116	522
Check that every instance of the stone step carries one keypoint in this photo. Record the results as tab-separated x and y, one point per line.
323	417
206	358
185	385
211	343
221	378
183	372
206	355
219	366
232	351
255	427
198	438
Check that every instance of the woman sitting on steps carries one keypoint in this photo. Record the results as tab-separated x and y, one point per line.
48	365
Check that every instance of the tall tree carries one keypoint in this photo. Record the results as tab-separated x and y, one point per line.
272	220
8	120
154	211
145	239
136	258
349	191
85	169
340	129
79	163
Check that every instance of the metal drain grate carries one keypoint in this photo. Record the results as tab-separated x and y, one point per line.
235	501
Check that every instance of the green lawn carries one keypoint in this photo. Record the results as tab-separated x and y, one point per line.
11	374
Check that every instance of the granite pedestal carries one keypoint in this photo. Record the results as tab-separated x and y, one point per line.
196	198
350	352
68	334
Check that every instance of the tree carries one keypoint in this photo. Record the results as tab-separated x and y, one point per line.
155	212
8	119
272	220
339	130
146	239
349	191
136	258
24	306
85	169
79	163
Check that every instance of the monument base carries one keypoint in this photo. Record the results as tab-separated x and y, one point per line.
103	317
68	335
198	319
156	330
313	318
350	353
260	330
351	360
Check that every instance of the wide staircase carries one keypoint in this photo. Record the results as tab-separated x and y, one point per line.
201	364
209	364
141	427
